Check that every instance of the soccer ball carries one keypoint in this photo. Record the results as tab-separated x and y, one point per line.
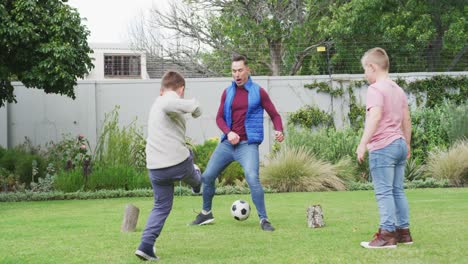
240	210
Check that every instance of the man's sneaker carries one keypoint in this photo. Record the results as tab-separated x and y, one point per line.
197	189
203	219
382	239
146	252
266	226
404	236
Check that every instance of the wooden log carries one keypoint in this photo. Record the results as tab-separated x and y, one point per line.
315	216
130	218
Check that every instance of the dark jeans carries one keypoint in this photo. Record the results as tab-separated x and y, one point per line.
162	181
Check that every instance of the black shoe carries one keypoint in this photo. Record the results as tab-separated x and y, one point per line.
266	226
146	252
203	219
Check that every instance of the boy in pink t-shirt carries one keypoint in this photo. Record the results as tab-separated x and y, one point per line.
387	136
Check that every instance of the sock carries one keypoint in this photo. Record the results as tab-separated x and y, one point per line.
147	248
205	212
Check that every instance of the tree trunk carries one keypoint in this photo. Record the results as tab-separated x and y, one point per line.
275	56
130	218
315	216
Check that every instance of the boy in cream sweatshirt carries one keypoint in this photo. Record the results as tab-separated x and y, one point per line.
167	157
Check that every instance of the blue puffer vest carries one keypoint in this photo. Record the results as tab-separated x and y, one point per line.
254	116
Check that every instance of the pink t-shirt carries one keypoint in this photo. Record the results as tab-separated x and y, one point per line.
392	99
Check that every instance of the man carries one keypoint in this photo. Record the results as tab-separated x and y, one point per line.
240	118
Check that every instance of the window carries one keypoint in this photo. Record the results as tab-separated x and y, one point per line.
122	66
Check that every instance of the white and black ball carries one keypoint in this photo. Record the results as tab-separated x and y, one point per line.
240	210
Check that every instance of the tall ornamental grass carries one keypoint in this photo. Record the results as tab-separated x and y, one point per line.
298	170
451	164
120	145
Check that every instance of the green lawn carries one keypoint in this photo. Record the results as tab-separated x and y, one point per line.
88	231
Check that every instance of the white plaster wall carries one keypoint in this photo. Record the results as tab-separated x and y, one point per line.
3	127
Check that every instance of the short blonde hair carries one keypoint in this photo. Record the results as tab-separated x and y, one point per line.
172	80
376	56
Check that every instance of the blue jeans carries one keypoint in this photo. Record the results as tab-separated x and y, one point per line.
248	157
387	166
162	181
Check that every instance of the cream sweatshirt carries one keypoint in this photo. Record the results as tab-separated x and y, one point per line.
165	144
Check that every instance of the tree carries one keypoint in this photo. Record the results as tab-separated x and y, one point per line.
43	45
418	35
275	35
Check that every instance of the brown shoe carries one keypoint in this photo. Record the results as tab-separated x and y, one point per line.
382	239
404	236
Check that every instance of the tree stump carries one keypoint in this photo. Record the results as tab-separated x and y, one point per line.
315	216
130	218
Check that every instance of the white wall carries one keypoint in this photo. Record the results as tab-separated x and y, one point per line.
3	127
45	117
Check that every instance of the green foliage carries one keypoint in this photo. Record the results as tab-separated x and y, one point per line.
414	170
457	122
310	117
297	169
120	146
324	87
330	145
44	45
203	152
45	184
234	172
417	35
69	153
427	183
19	161
111	177
415	184
439	89
9	182
451	164
69	181
78	195
428	131
276	36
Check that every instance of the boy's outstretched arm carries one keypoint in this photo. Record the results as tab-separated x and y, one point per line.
183	106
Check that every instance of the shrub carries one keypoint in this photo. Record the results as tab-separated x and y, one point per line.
45	184
311	117
111	177
29	167
414	170
69	153
203	152
120	146
428	131
456	122
297	169
9	182
451	164
347	170
330	145
69	181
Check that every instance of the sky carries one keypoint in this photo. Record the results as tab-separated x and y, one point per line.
109	20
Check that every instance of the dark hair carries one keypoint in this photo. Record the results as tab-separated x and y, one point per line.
172	80
240	58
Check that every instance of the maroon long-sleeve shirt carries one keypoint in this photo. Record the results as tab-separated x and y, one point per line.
239	110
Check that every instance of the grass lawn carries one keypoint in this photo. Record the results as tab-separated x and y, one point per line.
88	231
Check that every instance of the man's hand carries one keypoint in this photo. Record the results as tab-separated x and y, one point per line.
409	151
233	137
360	152
279	136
